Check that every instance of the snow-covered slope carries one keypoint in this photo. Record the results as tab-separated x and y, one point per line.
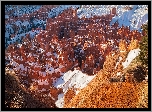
131	55
57	10
19	10
26	25
133	17
91	10
17	37
71	79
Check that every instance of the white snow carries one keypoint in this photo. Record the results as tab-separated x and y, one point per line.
100	57
19	11
48	53
32	34
77	92
19	45
89	10
34	80
146	78
6	16
73	59
113	54
50	70
23	74
55	55
19	67
42	90
37	21
81	51
43	74
122	51
131	55
118	73
15	38
31	64
71	79
61	66
103	45
43	82
30	54
125	17
41	50
7	34
85	65
57	10
51	96
133	18
60	101
57	70
120	58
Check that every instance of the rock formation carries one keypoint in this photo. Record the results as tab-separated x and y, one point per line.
70	43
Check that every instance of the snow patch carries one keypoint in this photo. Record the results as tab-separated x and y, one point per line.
133	18
71	79
48	53
118	73
43	82
60	101
120	58
50	70
131	55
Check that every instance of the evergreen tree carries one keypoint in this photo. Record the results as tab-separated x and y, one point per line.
143	56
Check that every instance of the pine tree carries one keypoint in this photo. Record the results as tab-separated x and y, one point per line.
143	56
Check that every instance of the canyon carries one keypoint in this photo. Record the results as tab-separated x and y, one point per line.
75	60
